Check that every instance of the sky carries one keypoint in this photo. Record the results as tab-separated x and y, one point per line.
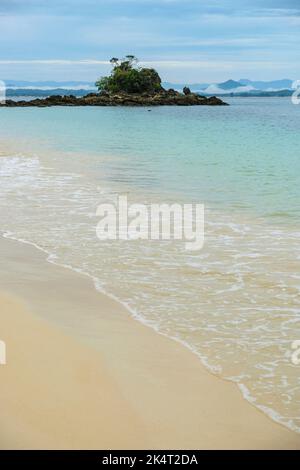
187	41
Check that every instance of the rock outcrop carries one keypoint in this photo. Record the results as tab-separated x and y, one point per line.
163	98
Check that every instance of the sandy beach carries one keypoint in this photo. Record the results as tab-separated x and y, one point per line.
123	387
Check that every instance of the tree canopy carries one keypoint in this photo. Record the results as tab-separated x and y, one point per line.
127	77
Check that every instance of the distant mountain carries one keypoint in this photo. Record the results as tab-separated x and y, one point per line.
258	93
230	85
48	85
242	87
239	87
194	87
285	84
41	93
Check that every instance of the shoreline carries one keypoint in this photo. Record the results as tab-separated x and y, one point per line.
133	315
139	365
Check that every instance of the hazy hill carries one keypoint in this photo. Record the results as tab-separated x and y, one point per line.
242	87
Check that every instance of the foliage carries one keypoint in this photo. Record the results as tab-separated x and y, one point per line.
128	78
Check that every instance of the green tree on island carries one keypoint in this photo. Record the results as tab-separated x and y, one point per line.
127	77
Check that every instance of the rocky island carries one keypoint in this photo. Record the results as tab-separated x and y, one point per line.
166	98
127	85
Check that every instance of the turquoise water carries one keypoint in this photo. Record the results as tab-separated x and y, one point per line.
243	156
236	303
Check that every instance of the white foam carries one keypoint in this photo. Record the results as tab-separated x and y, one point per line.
213	268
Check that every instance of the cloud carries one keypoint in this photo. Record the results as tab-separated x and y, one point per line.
55	62
175	34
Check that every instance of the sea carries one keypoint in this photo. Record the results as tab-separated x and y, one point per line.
235	303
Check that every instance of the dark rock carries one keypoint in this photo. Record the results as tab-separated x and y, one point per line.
92	95
172	92
161	98
214	101
186	91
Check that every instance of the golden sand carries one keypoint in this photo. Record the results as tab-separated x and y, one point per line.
81	373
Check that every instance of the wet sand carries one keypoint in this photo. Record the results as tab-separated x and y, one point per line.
82	373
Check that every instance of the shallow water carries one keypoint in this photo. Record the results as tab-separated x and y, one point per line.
235	303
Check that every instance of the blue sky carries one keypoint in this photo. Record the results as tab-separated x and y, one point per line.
186	40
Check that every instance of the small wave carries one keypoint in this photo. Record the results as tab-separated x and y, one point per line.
218	303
